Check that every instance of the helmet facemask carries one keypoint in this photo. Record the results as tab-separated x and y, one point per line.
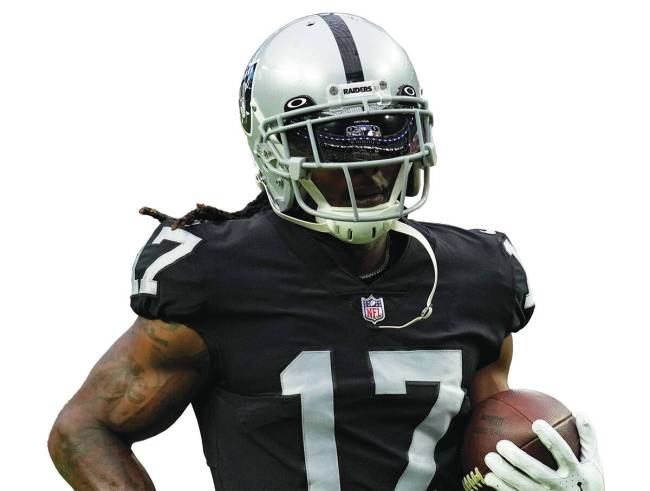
349	139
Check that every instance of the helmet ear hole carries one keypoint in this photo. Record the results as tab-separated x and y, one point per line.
414	181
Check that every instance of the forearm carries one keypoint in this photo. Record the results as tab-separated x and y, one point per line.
93	458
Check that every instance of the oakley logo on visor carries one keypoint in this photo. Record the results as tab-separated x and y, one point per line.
363	129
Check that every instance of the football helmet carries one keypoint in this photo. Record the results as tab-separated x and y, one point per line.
335	92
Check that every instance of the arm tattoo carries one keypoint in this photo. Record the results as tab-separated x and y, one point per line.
136	390
150	331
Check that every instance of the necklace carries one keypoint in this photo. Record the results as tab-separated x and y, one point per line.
382	266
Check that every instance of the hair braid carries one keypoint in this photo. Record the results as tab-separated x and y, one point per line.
206	212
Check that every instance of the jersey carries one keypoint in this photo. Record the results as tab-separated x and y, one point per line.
310	392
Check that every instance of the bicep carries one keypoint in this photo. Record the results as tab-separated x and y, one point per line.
145	380
493	378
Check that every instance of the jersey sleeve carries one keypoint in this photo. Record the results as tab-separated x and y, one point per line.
523	304
166	280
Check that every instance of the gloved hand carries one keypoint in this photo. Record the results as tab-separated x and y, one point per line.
515	470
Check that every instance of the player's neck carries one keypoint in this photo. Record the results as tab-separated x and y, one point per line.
363	259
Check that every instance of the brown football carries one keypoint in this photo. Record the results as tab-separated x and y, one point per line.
509	415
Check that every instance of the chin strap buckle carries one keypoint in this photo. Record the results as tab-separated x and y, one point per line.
431	157
296	171
425	314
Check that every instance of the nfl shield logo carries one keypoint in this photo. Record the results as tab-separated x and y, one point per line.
373	309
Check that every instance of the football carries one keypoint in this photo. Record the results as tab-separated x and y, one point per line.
509	415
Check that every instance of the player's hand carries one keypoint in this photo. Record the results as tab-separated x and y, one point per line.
515	470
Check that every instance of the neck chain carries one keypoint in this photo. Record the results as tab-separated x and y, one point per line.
382	266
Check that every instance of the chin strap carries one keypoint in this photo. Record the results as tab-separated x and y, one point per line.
426	312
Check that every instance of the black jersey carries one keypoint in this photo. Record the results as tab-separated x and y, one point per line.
310	391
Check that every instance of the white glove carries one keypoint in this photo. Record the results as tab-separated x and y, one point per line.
521	472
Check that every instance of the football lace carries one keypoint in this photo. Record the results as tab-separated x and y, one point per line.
473	480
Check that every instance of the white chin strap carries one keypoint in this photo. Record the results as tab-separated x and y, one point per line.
426	312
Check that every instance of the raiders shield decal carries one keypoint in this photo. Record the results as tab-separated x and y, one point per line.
245	92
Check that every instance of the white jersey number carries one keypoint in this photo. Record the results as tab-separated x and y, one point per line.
310	375
186	243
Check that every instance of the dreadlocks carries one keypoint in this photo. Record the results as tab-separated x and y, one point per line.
206	212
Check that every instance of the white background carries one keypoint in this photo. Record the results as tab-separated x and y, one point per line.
542	125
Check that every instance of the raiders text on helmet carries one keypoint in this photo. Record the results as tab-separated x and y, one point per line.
356	90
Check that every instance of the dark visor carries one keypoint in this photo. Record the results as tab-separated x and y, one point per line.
357	138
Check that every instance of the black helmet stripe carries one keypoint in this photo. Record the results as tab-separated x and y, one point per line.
347	47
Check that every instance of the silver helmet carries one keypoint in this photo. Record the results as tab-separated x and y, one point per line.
335	91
